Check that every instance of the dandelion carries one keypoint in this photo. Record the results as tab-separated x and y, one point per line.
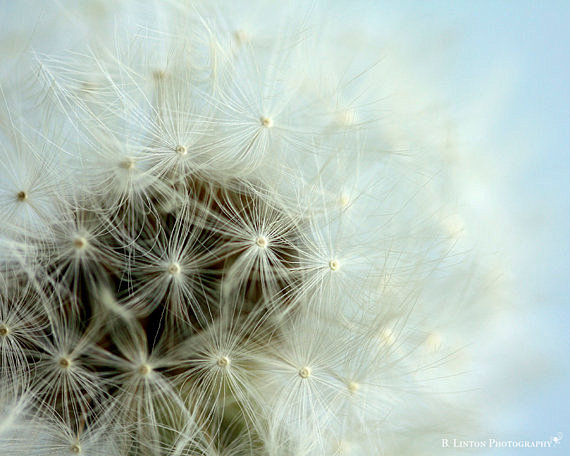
28	181
211	246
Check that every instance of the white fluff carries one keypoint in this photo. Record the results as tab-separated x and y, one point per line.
216	244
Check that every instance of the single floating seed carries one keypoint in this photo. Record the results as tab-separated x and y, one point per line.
224	361
266	122
4	331
22	196
75	448
305	372
181	150
334	265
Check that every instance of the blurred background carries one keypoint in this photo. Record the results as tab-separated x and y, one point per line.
503	71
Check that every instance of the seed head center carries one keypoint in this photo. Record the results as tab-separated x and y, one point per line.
22	196
266	122
144	369
334	265
128	164
64	362
79	243
76	448
353	387
174	269
305	372
223	361
4	331
261	242
181	150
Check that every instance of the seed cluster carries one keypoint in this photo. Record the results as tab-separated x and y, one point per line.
143	285
211	252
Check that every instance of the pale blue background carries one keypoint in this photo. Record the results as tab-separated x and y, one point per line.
531	41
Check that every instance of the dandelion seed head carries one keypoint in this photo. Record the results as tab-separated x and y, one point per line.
174	269
127	164
79	243
64	362
181	150
266	122
261	242
223	361
210	290
353	387
305	372
144	370
334	265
